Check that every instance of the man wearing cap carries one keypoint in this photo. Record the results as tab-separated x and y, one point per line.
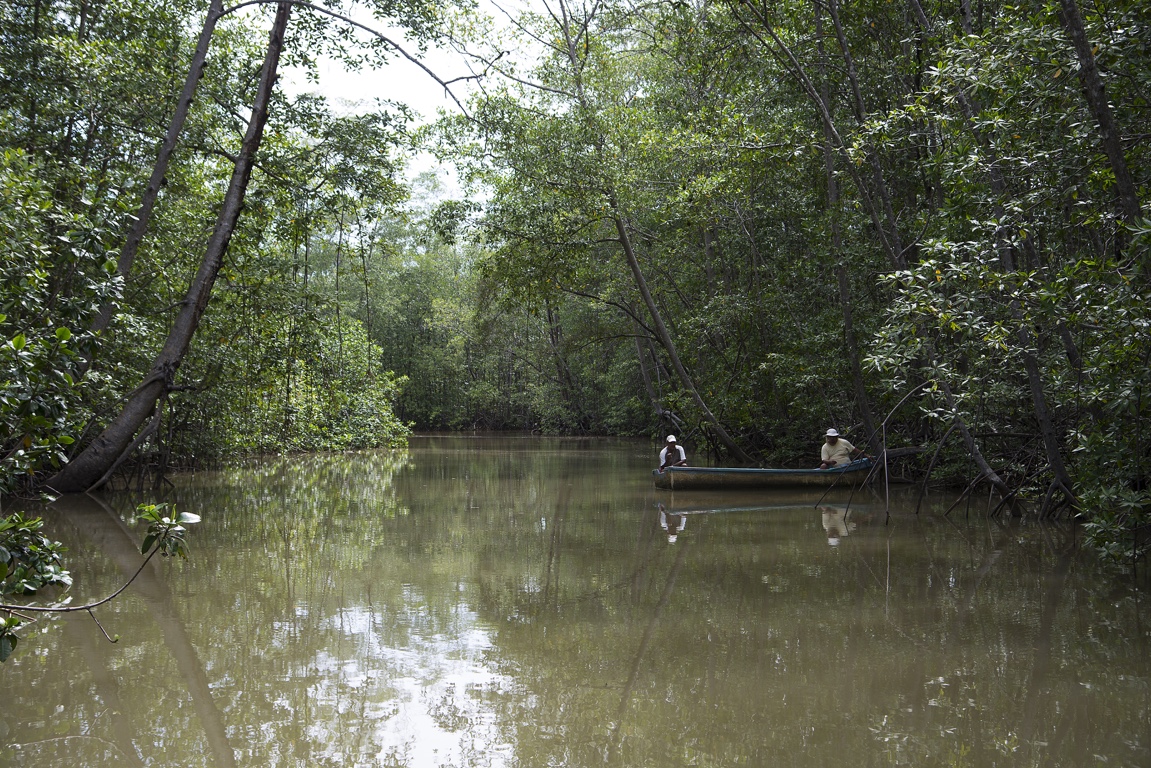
672	455
835	451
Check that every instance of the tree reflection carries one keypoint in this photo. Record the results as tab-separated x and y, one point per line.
516	603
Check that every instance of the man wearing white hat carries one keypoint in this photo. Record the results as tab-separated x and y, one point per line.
672	455
836	451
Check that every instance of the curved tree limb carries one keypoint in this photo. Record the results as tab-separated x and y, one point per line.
87	606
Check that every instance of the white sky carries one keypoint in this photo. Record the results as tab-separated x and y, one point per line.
401	81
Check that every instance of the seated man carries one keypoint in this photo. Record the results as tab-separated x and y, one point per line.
836	451
672	455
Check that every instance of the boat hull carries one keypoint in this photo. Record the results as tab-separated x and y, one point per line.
723	478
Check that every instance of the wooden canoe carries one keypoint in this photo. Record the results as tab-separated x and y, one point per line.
723	478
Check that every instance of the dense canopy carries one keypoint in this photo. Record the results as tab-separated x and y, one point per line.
744	222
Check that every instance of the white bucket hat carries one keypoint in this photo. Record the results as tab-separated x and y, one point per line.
832	432
671	438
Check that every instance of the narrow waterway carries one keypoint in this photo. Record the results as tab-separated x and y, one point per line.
533	602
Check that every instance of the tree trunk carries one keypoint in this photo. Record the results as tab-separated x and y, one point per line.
892	249
853	357
88	469
620	220
565	380
339	323
881	187
837	241
666	340
175	127
969	441
1096	97
1051	441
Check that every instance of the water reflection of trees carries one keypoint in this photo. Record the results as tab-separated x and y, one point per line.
901	648
174	661
524	608
949	645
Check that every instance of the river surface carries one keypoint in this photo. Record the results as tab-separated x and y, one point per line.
518	602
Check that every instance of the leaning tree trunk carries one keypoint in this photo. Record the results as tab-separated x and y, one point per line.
575	59
861	112
1100	108
667	342
167	147
776	46
972	448
91	468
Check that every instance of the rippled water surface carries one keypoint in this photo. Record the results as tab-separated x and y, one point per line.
516	601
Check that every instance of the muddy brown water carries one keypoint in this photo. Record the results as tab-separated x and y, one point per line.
516	601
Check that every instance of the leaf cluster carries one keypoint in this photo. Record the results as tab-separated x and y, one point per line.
29	562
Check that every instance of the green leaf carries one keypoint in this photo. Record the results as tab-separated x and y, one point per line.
19	341
7	645
63	334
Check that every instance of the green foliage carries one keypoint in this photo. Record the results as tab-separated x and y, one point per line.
75	168
1023	256
341	399
29	562
970	157
327	393
662	123
166	530
53	274
961	187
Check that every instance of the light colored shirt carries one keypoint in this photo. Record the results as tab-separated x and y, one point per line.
840	453
682	455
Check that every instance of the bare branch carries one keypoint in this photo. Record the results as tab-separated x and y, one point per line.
446	84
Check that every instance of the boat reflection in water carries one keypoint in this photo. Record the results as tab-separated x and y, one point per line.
703	502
